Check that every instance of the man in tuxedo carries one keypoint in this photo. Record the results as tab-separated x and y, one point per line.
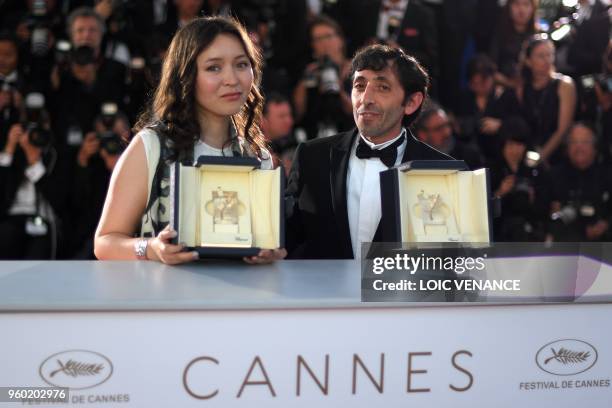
411	24
334	181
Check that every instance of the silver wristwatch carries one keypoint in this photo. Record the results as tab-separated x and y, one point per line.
140	248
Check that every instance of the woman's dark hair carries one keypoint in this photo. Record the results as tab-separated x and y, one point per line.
410	73
528	48
506	26
174	102
481	64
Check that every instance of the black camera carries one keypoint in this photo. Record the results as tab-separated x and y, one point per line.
109	114
83	55
39	28
38	135
326	77
62	53
110	142
603	80
37	120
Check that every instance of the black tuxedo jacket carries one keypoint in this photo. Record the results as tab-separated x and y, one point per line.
418	34
317	219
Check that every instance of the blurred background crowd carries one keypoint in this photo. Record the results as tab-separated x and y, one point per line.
523	87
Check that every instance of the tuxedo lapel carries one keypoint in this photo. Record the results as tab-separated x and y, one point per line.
339	160
411	147
409	154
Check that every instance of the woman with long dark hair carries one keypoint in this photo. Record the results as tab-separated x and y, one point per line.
543	97
517	23
546	98
207	103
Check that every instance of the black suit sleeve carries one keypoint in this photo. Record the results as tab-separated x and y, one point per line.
294	229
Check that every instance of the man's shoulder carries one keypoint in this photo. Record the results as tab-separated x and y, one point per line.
418	150
339	140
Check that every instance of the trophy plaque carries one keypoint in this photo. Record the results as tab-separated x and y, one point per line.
435	201
228	207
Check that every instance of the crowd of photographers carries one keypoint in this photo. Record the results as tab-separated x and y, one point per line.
520	87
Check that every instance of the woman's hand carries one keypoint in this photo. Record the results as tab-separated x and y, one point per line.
489	125
160	249
266	256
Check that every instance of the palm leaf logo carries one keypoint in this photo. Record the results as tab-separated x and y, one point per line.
565	356
76	368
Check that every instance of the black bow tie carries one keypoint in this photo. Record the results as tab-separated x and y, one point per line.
388	155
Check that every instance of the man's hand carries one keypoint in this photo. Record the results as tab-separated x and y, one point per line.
110	160
266	256
14	135
506	185
490	126
89	147
596	230
32	152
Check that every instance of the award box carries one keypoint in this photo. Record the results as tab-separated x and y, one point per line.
226	207
435	201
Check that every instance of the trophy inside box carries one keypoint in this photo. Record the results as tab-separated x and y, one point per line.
439	205
228	203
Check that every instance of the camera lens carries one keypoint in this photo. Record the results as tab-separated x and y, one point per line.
110	142
38	136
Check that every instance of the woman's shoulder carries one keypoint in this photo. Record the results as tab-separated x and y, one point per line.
150	140
564	81
147	135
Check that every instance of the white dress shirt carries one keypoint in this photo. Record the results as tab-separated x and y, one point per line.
363	192
25	198
390	9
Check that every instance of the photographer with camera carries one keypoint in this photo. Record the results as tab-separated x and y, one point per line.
434	127
580	210
32	186
589	37
521	181
144	73
596	101
88	78
37	24
279	28
183	11
95	162
479	112
277	127
11	82
322	103
603	91
79	98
